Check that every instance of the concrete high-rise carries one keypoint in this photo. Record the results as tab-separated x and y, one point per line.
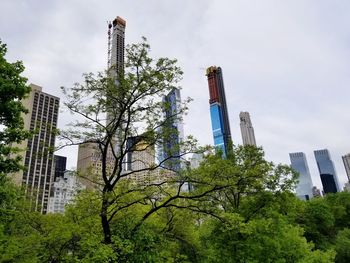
304	186
89	164
38	156
170	152
140	166
218	109
327	171
116	45
346	161
247	129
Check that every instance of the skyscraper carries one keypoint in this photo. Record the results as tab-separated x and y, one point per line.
247	130
327	171
218	109
173	136
60	166
346	161
116	45
89	157
38	157
299	164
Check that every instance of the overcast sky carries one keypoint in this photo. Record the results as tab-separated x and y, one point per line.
286	62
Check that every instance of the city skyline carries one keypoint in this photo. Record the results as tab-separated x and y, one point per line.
285	63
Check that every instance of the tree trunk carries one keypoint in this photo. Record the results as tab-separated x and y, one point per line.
104	221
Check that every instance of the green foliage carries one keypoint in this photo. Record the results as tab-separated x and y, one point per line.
260	240
342	246
241	209
318	222
12	90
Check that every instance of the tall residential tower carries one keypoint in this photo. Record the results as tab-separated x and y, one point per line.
299	164
89	157
38	156
346	161
116	45
170	150
327	171
247	129
218	109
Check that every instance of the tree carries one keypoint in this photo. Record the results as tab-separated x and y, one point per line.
244	175
114	108
318	223
269	239
13	89
342	246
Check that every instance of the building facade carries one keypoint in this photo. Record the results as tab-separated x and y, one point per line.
304	186
116	45
327	171
140	154
64	190
346	161
89	165
38	156
218	109
60	166
173	134
247	130
140	166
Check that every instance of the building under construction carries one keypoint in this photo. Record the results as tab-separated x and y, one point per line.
218	109
89	156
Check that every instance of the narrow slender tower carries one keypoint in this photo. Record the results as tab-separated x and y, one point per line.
171	145
346	161
38	157
116	45
218	109
247	129
88	154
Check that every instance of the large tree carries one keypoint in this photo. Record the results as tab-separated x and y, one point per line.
111	108
13	89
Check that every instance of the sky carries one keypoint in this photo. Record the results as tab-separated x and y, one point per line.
285	62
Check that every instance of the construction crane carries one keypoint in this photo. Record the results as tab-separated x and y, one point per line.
109	45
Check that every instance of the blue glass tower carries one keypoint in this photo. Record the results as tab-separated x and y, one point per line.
327	171
172	131
299	164
218	110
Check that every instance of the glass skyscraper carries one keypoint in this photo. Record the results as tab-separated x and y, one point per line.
170	151
304	186
327	171
218	109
